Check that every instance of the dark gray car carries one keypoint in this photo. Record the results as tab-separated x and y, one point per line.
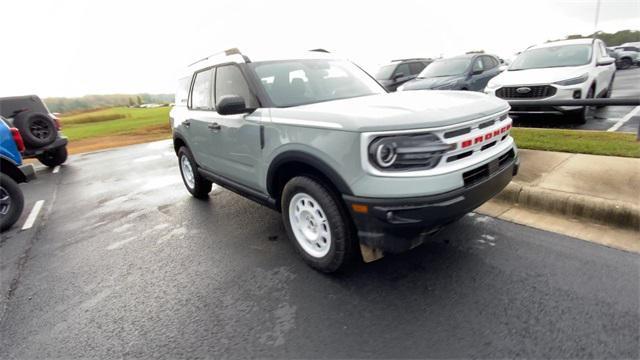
400	71
465	72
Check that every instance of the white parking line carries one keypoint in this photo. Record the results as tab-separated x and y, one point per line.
624	119
33	215
56	169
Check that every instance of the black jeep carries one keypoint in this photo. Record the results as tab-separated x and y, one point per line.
39	128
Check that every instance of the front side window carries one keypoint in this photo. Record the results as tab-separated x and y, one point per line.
445	67
299	82
553	56
402	69
477	65
416	67
201	92
230	81
488	62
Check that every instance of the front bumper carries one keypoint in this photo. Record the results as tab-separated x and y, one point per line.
396	225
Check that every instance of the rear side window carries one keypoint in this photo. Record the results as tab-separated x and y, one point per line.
230	81
182	93
416	67
201	92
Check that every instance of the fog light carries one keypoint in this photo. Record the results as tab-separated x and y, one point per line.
577	94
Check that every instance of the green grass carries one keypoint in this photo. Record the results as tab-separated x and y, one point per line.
572	141
115	121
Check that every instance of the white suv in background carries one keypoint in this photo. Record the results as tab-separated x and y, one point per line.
569	69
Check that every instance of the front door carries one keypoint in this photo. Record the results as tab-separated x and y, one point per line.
236	136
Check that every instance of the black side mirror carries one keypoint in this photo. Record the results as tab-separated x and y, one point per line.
231	104
477	72
398	76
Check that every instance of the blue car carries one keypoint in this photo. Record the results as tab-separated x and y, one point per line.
466	72
12	173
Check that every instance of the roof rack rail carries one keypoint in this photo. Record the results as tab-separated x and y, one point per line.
228	52
407	59
321	50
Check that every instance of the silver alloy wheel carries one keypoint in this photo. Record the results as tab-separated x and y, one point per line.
5	201
310	225
187	172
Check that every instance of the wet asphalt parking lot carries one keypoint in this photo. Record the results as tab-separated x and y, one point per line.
122	262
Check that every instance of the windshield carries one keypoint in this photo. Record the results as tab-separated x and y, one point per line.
299	82
447	67
554	56
384	73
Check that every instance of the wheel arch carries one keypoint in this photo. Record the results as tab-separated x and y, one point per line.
178	142
10	169
293	163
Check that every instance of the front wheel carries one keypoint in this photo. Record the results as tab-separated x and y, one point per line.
11	202
317	224
54	157
198	186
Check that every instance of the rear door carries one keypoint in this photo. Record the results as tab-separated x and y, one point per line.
199	115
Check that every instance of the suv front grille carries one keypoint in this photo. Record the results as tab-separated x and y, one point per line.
535	92
480	173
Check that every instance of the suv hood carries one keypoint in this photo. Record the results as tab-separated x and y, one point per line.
431	83
538	76
393	111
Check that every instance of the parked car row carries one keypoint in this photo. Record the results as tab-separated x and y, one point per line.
626	55
569	69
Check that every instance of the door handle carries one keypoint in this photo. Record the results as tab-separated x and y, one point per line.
214	126
186	123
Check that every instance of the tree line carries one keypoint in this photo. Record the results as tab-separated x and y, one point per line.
611	39
91	102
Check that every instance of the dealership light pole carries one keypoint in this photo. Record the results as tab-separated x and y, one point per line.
595	25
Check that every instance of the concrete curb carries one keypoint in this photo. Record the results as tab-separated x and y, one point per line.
609	212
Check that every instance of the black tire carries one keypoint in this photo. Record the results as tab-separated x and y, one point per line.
624	63
37	129
54	157
11	202
201	187
585	114
343	242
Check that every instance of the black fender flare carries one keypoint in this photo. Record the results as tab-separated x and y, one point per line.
308	159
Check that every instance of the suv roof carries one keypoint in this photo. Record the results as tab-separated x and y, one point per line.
234	55
9	105
564	42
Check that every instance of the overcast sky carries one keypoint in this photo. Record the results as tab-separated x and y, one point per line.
73	48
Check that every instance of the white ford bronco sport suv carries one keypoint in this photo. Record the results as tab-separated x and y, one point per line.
350	166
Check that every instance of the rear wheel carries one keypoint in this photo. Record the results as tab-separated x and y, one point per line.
625	63
11	202
317	224
198	186
54	157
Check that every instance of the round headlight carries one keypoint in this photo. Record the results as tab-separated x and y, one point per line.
386	154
